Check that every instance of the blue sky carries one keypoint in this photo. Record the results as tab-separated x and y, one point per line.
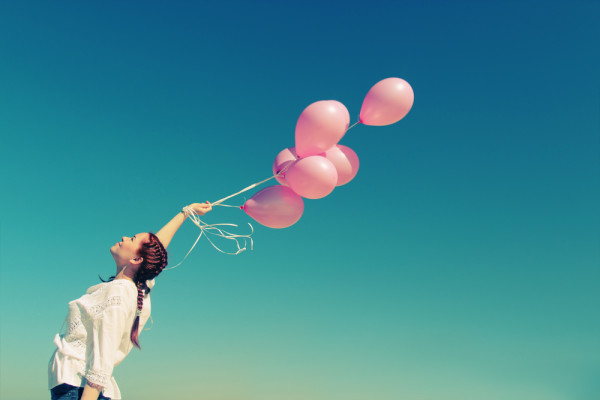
462	262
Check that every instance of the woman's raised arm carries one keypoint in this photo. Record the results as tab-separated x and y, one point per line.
166	233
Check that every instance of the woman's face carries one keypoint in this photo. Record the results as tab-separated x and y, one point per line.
126	251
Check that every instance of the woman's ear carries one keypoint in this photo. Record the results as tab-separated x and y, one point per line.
136	261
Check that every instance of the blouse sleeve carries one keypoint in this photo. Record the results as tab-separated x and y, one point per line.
108	330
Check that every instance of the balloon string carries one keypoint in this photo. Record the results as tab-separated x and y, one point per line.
280	173
218	202
151	324
206	230
353	125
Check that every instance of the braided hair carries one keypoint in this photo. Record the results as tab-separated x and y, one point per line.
154	260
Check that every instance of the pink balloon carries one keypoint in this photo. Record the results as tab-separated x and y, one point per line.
387	102
275	207
320	126
312	177
283	159
344	111
345	161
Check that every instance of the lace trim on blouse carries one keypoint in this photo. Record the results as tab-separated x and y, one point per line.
97	377
73	325
99	309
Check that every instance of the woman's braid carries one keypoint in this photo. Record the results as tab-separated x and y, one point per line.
140	297
154	260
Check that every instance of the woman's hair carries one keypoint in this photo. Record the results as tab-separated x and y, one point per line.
154	261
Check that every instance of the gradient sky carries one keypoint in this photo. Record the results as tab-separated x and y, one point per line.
462	262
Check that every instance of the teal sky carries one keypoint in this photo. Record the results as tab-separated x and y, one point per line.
462	262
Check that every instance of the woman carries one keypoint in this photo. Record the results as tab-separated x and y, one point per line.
103	325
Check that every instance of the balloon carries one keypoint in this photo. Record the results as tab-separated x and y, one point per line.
280	177
388	101
343	110
283	159
345	161
320	126
275	207
312	177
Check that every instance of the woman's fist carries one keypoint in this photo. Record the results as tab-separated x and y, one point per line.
201	208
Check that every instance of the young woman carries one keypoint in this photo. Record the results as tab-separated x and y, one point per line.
103	325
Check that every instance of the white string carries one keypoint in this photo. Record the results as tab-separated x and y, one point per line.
353	125
280	173
206	230
218	202
151	324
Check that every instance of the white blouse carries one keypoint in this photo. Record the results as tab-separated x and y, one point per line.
97	336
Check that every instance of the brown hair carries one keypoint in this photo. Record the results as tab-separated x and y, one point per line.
154	261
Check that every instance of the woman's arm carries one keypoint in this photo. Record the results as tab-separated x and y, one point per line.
90	392
165	235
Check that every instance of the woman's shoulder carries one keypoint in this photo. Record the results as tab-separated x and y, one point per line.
116	288
118	293
122	286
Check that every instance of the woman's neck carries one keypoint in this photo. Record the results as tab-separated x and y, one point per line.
123	274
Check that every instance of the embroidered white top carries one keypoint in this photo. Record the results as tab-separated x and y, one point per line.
97	336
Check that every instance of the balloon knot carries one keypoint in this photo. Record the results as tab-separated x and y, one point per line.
241	207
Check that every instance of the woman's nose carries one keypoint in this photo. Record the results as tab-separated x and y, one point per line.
123	239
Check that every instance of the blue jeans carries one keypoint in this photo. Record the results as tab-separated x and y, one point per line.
68	392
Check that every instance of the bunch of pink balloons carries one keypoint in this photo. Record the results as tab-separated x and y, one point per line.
317	164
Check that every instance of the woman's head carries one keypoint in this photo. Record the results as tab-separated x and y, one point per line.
142	253
127	252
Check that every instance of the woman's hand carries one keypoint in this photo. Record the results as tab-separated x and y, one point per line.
166	233
201	208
